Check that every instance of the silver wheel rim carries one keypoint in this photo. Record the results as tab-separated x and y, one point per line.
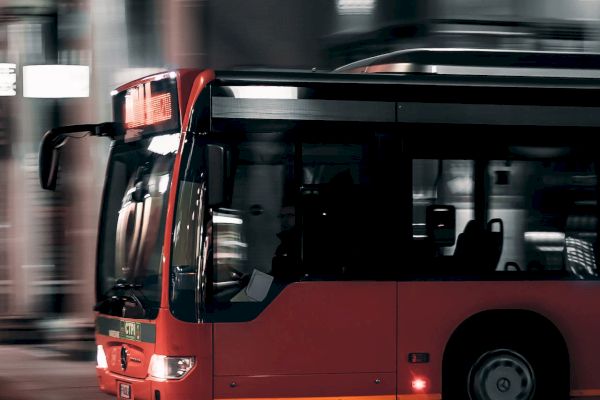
501	375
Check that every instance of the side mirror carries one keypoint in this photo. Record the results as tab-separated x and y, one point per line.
55	138
49	158
440	222
216	174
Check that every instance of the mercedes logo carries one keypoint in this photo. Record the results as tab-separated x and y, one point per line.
123	358
503	385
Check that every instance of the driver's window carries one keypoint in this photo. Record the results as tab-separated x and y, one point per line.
253	241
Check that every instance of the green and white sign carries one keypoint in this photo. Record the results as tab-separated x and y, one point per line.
130	330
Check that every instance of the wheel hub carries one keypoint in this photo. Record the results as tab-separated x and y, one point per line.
503	385
501	375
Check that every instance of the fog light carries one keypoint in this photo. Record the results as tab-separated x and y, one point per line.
163	367
101	357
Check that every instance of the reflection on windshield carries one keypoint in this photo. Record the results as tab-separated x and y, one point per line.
142	204
133	218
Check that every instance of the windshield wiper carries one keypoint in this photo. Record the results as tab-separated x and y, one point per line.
130	297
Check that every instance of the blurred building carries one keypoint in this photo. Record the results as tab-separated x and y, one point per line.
48	240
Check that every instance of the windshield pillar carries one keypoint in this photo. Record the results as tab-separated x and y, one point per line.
190	234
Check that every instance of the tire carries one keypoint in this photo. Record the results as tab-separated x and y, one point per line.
500	367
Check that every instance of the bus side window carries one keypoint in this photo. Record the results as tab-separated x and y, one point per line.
550	209
336	194
580	241
247	228
447	184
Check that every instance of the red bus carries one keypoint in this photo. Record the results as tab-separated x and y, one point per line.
351	235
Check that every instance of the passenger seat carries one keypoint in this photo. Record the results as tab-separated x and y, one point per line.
477	249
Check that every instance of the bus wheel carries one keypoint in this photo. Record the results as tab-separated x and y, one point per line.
506	355
501	374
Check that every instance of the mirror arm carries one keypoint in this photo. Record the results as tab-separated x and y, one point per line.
57	137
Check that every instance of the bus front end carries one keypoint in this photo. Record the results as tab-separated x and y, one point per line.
144	351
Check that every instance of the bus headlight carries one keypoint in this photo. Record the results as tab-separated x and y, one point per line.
163	367
101	357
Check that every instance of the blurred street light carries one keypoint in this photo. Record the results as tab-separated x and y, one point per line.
8	79
56	81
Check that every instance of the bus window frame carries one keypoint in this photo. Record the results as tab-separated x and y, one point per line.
216	127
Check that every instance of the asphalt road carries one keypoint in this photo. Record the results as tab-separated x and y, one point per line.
45	372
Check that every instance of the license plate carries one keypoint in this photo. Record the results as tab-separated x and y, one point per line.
124	391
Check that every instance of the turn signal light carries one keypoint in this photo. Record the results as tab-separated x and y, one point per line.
419	384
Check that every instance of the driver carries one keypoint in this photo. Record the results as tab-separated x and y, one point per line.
285	264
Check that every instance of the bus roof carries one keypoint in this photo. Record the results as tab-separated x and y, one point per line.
456	61
303	78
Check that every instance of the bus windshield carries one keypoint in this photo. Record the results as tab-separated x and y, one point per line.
132	227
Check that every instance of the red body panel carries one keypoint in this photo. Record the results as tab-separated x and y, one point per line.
137	368
311	385
428	313
339	338
177	338
186	79
310	331
173	337
198	85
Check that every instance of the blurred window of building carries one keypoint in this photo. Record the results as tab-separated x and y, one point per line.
345	7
